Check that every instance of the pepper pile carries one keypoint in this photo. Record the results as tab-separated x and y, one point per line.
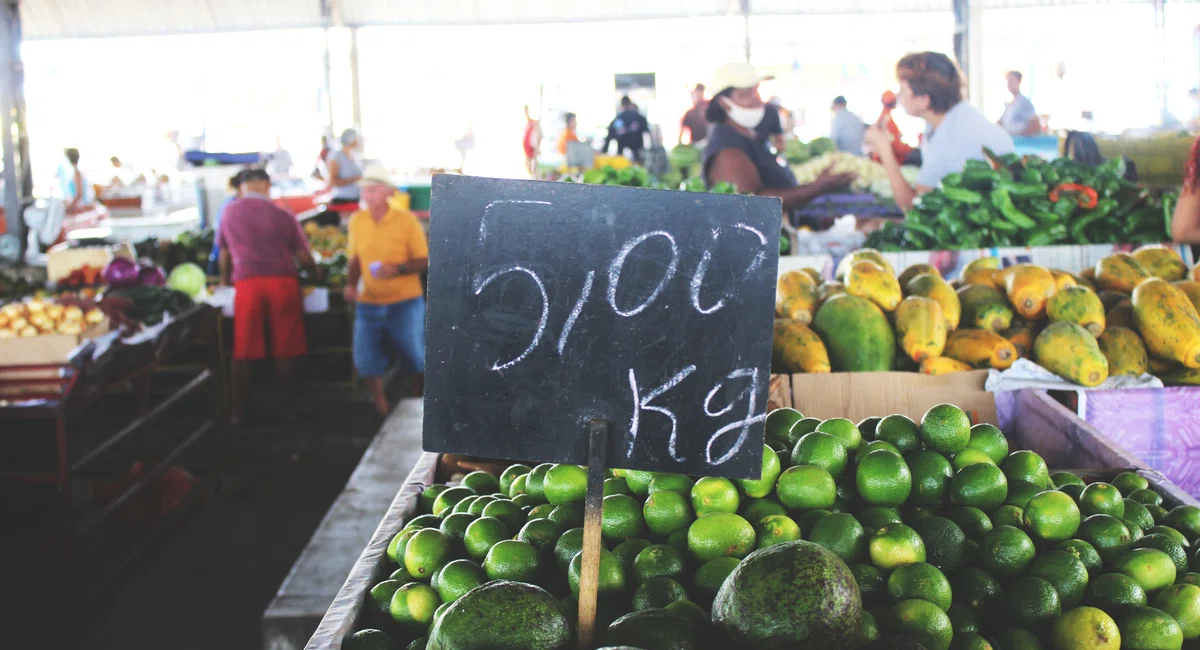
1015	201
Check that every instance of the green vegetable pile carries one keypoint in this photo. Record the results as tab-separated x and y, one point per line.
147	305
1028	201
639	177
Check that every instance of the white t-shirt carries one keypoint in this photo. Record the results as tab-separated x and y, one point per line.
1017	115
961	136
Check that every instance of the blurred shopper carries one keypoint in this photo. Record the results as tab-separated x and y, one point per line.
904	153
736	154
388	251
77	192
770	129
1185	223
628	129
342	173
260	247
279	163
569	133
1019	116
235	193
465	145
931	88
845	128
530	141
322	155
693	122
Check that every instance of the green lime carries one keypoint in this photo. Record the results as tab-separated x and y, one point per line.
1157	511
719	534
920	580
810	518
1169	532
426	552
413	605
1149	567
975	588
713	494
567	515
395	548
895	545
639	481
1025	465
1146	627
666	512
658	560
805	487
1168	545
842	534
677	483
369	639
779	422
883	479
921	621
611	579
449	497
1051	516
872	583
990	440
900	431
1065	572
757	489
512	560
510	474
875	517
980	486
1112	591
1007	515
381	594
1182	603
969	456
565	484
1101	499
657	592
1189	578
1085	628
1006	551
969	640
844	430
543	534
1015	638
931	474
945	429
1108	535
1084	551
874	445
1127	482
1138	515
868	427
628	550
616	486
506	511
401	575
481	482
710	576
1073	490
1020	492
800	429
822	450
974	522
481	535
868	626
568	544
963	619
519	487
678	540
535	481
1060	479
456	579
1145	497
621	517
1135	531
428	496
455	526
1185	519
540	512
689	611
1032	602
478	504
424	521
753	510
776	529
945	542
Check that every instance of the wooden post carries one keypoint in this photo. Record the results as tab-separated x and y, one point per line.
589	574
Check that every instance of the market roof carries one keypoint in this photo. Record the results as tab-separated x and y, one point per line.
51	19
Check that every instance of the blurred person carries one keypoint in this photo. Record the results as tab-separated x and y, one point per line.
736	154
530	142
628	129
1194	119
569	133
845	128
931	88
261	245
322	155
341	178
235	189
904	153
77	192
693	122
279	162
388	251
770	129
464	145
1019	116
1185	222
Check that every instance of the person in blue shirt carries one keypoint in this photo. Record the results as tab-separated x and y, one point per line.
1019	116
235	186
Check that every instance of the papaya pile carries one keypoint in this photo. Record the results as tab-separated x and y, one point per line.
1133	313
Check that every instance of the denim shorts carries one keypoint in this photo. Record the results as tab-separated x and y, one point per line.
383	333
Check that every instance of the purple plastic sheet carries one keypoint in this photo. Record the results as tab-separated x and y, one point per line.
1159	425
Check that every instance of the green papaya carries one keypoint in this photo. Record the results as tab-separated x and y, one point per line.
984	307
856	334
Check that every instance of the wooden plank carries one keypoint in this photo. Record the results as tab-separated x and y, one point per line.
779	393
589	574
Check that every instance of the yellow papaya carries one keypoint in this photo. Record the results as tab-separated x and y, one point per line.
1120	272
1168	322
828	290
986	277
984	307
789	283
1021	338
796	348
1071	352
991	263
866	280
800	305
1083	281
920	328
1077	305
859	255
1062	279
1111	299
1161	262
1125	351
1191	289
814	274
980	349
1120	316
930	285
943	366
1028	288
1182	377
915	270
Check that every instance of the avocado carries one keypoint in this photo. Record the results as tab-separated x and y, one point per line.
502	615
652	629
789	596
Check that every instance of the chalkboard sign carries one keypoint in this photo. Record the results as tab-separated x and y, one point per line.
551	304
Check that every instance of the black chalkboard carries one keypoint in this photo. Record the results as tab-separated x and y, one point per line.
554	303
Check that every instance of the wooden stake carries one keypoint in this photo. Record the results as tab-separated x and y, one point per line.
589	574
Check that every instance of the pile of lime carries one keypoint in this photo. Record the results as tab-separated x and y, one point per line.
884	533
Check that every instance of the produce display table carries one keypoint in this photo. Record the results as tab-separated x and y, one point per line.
859	204
56	393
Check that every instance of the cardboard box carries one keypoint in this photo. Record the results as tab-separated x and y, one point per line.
46	349
858	395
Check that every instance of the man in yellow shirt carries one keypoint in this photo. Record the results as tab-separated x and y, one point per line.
388	251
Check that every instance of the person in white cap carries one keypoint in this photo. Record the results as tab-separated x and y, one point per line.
388	251
735	154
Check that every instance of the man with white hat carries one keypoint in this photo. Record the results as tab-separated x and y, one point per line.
735	154
388	251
